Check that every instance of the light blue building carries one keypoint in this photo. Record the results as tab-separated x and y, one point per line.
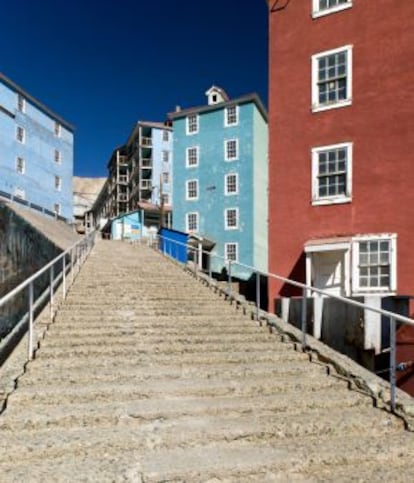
220	178
36	153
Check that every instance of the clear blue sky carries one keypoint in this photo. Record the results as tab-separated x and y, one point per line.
103	65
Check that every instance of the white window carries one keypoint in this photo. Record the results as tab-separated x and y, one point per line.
20	165
20	193
324	7
58	129
165	135
21	134
191	221
231	149
332	174
192	124
56	208
375	263
58	183
165	156
165	199
332	79
231	218
192	189
231	251
166	177
58	156
192	157
21	103
231	116
231	184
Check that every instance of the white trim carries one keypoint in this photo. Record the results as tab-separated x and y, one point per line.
19	193
328	247
186	190
23	171
231	193
226	141
226	123
187	158
187	123
58	158
57	129
316	107
333	199
57	208
58	183
226	226
316	12
23	131
22	100
236	245
187	227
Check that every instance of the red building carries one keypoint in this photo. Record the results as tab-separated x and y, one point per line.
341	154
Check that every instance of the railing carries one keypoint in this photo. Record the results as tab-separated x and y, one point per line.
123	197
145	184
175	249
146	163
145	141
123	179
62	269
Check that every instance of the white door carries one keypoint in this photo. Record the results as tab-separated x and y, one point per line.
328	271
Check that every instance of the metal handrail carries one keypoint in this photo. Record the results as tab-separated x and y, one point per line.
78	253
306	290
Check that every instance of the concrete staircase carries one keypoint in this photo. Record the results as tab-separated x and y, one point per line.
147	375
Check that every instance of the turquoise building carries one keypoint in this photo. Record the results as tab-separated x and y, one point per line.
36	153
220	179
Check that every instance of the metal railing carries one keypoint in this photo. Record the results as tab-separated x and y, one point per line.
172	248
62	270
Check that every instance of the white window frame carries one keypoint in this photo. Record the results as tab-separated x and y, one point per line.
20	159
317	12
58	156
187	221
23	132
356	287
226	250
58	183
331	199
165	177
165	156
226	143
165	135
166	198
57	208
226	116
58	129
187	194
187	156
226	212
188	124
21	103
316	107
226	187
19	193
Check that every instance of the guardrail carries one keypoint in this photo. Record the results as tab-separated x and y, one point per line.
171	248
62	269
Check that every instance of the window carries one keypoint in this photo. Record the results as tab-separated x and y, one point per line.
58	129
332	79
332	174
231	218
165	199
20	193
231	184
375	263
192	124
231	116
20	134
191	222
165	177
58	156
21	103
58	183
231	251
56	208
231	148
324	7
20	165
165	135
192	157
192	189
165	156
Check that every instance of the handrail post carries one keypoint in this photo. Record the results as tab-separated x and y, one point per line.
71	266
52	294
392	362
209	266
257	295
229	281
64	277
30	345
304	318
195	260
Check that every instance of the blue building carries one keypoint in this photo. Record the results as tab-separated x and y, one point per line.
220	178
36	153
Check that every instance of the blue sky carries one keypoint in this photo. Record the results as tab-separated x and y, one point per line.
103	65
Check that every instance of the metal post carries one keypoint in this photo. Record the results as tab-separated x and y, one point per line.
229	282
52	295
71	266
257	295
392	362
64	277
304	318
209	266
195	259
30	347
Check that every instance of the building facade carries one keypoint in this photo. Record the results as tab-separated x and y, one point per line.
220	178
36	153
